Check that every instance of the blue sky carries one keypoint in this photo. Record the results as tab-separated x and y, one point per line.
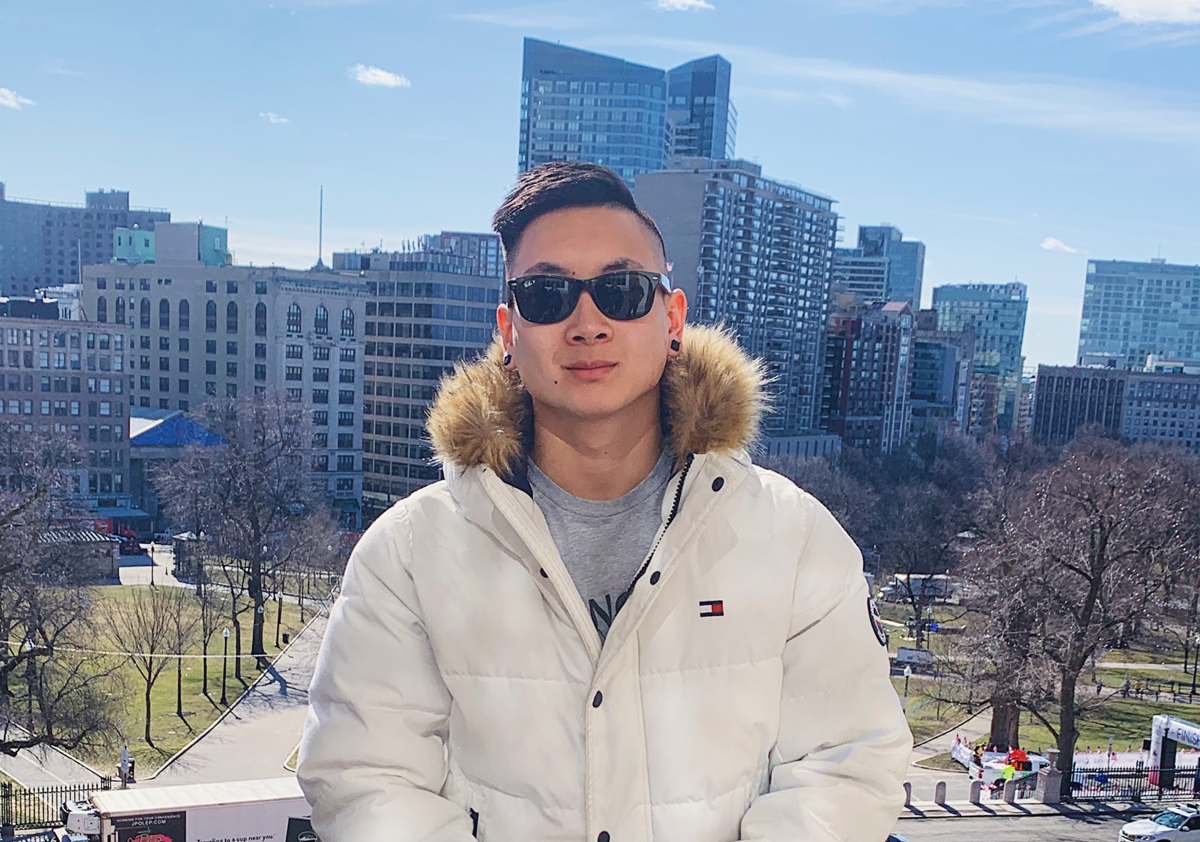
1016	138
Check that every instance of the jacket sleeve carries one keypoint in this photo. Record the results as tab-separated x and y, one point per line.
372	759
838	767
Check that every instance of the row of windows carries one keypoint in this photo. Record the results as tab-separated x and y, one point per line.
62	408
294	316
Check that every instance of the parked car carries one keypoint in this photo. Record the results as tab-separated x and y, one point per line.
1181	821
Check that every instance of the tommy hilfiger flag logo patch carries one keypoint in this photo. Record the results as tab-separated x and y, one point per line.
712	608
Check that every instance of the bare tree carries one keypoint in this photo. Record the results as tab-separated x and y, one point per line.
247	495
50	694
144	624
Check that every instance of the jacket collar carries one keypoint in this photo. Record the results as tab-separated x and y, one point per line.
712	399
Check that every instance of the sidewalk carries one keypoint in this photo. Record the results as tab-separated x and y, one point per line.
43	766
994	809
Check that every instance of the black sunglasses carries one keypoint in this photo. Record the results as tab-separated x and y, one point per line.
624	296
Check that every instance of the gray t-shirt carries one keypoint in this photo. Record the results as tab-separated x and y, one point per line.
603	542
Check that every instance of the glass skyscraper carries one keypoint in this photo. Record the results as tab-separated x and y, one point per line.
582	106
702	119
1133	309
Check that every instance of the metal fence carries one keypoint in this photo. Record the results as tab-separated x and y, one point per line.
30	809
1135	783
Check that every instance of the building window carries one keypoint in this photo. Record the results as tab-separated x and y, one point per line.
210	346
183	387
347	355
231	390
320	396
210	367
347	322
164	314
294	395
231	316
210	286
260	319
320	462
164	363
144	314
320	418
102	309
260	371
345	419
346	396
164	384
321	320
210	317
293	318
320	375
260	287
346	375
231	348
260	350
321	353
231	369
345	463
231	287
345	441
294	352
293	372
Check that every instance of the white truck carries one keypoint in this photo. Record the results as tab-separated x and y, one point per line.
273	810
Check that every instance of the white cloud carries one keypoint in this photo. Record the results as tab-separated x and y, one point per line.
1080	105
1055	244
272	117
1153	11
11	99
682	5
377	77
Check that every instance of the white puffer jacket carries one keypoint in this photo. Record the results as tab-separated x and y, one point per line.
741	693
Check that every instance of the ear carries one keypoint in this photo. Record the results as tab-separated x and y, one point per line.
507	330
676	318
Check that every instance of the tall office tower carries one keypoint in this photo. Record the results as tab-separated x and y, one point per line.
855	272
1135	309
196	327
50	380
42	244
997	313
430	305
940	394
755	253
868	368
906	260
581	106
701	119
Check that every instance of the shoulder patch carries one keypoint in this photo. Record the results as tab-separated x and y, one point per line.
876	623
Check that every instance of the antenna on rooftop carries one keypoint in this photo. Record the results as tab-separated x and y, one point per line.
321	229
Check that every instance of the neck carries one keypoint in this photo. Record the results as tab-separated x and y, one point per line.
598	459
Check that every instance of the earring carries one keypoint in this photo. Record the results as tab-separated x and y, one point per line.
674	344
507	359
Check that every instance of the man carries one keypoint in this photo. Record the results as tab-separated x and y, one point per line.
605	624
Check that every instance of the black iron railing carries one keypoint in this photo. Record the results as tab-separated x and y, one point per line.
30	809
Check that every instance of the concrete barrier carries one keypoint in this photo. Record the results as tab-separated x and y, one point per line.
907	794
939	793
976	792
1010	792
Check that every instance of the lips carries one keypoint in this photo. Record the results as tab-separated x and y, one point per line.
589	365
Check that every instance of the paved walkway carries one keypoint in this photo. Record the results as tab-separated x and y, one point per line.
256	736
42	766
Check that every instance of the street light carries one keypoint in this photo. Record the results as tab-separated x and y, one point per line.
224	666
907	676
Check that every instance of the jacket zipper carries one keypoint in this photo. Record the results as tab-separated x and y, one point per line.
670	517
474	823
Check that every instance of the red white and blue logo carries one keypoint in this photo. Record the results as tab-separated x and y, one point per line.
712	608
876	622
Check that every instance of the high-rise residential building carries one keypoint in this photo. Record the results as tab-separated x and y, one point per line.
701	119
1133	309
430	305
940	394
43	244
66	376
883	267
195	330
755	253
996	312
583	106
1162	407
868	369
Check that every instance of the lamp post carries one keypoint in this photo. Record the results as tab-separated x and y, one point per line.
224	666
907	676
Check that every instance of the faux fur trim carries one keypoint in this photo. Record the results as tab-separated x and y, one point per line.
712	400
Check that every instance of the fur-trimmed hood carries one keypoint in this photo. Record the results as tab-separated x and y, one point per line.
712	399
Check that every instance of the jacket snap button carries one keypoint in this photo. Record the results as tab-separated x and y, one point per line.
542	570
597	699
603	837
654	577
717	483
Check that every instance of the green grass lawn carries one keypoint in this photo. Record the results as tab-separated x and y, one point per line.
169	731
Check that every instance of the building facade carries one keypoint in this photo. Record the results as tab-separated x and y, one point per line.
1069	397
583	106
68	377
701	119
192	332
756	254
428	307
1133	309
43	244
940	394
1163	408
996	313
868	370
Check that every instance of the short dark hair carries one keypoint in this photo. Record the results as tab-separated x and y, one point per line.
563	184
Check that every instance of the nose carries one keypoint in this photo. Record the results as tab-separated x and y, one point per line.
587	324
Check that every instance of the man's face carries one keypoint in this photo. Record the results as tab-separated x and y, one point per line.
589	366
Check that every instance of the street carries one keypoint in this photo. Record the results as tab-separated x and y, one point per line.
1051	828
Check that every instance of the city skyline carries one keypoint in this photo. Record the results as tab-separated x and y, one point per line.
1034	138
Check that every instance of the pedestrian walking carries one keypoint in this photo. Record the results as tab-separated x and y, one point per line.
605	623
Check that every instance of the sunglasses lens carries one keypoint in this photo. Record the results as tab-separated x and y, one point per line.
625	295
545	300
